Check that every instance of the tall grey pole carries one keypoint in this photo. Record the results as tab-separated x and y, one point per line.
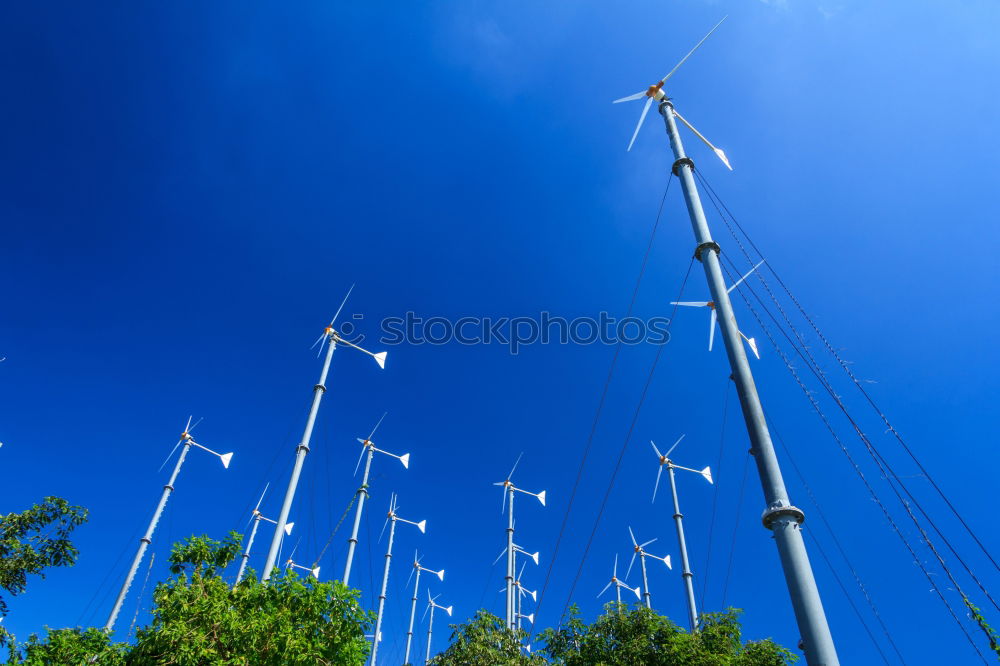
645	581
430	628
517	592
147	538
781	517
413	612
510	560
361	495
385	585
300	457
682	544
246	552
618	591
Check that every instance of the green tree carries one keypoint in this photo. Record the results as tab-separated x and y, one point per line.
199	619
34	540
485	641
641	636
70	646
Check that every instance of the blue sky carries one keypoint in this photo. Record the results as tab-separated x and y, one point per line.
188	190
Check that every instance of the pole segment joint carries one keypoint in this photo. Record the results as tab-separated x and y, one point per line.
772	514
684	161
710	245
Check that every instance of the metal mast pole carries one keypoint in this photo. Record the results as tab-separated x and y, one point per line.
385	584
685	567
430	627
518	614
246	553
300	457
645	581
781	517
510	561
361	495
413	612
618	591
148	537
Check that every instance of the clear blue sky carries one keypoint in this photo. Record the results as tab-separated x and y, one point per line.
189	189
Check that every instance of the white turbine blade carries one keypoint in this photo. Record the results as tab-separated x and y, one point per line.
440	575
424	616
448	610
288	528
534	594
632	536
502	553
187	427
383	530
675	444
380	359
516	463
422	526
711	329
319	340
541	497
521	572
737	283
372	434
364	449
659	471
656	450
342	303
691	304
615	574
405	459
503	498
684	59
636	590
638	95
752	344
630	563
169	456
718	151
707	473
225	458
534	557
605	588
647	543
666	560
315	572
642	118
530	617
257	508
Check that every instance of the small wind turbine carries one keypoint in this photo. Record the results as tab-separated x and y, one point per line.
665	461
508	498
655	91
431	605
417	568
256	516
186	441
640	550
711	306
391	519
521	593
368	446
313	571
331	336
619	584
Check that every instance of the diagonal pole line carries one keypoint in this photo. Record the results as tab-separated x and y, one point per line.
621	453
600	404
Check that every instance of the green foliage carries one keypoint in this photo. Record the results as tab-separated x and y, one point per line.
71	646
977	616
640	636
485	641
33	540
198	619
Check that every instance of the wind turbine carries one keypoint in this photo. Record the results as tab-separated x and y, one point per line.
521	593
256	516
711	306
313	571
368	446
640	550
332	337
508	497
619	584
431	605
186	441
391	519
780	516
417	568
665	461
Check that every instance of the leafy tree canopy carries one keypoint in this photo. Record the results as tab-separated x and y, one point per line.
33	540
